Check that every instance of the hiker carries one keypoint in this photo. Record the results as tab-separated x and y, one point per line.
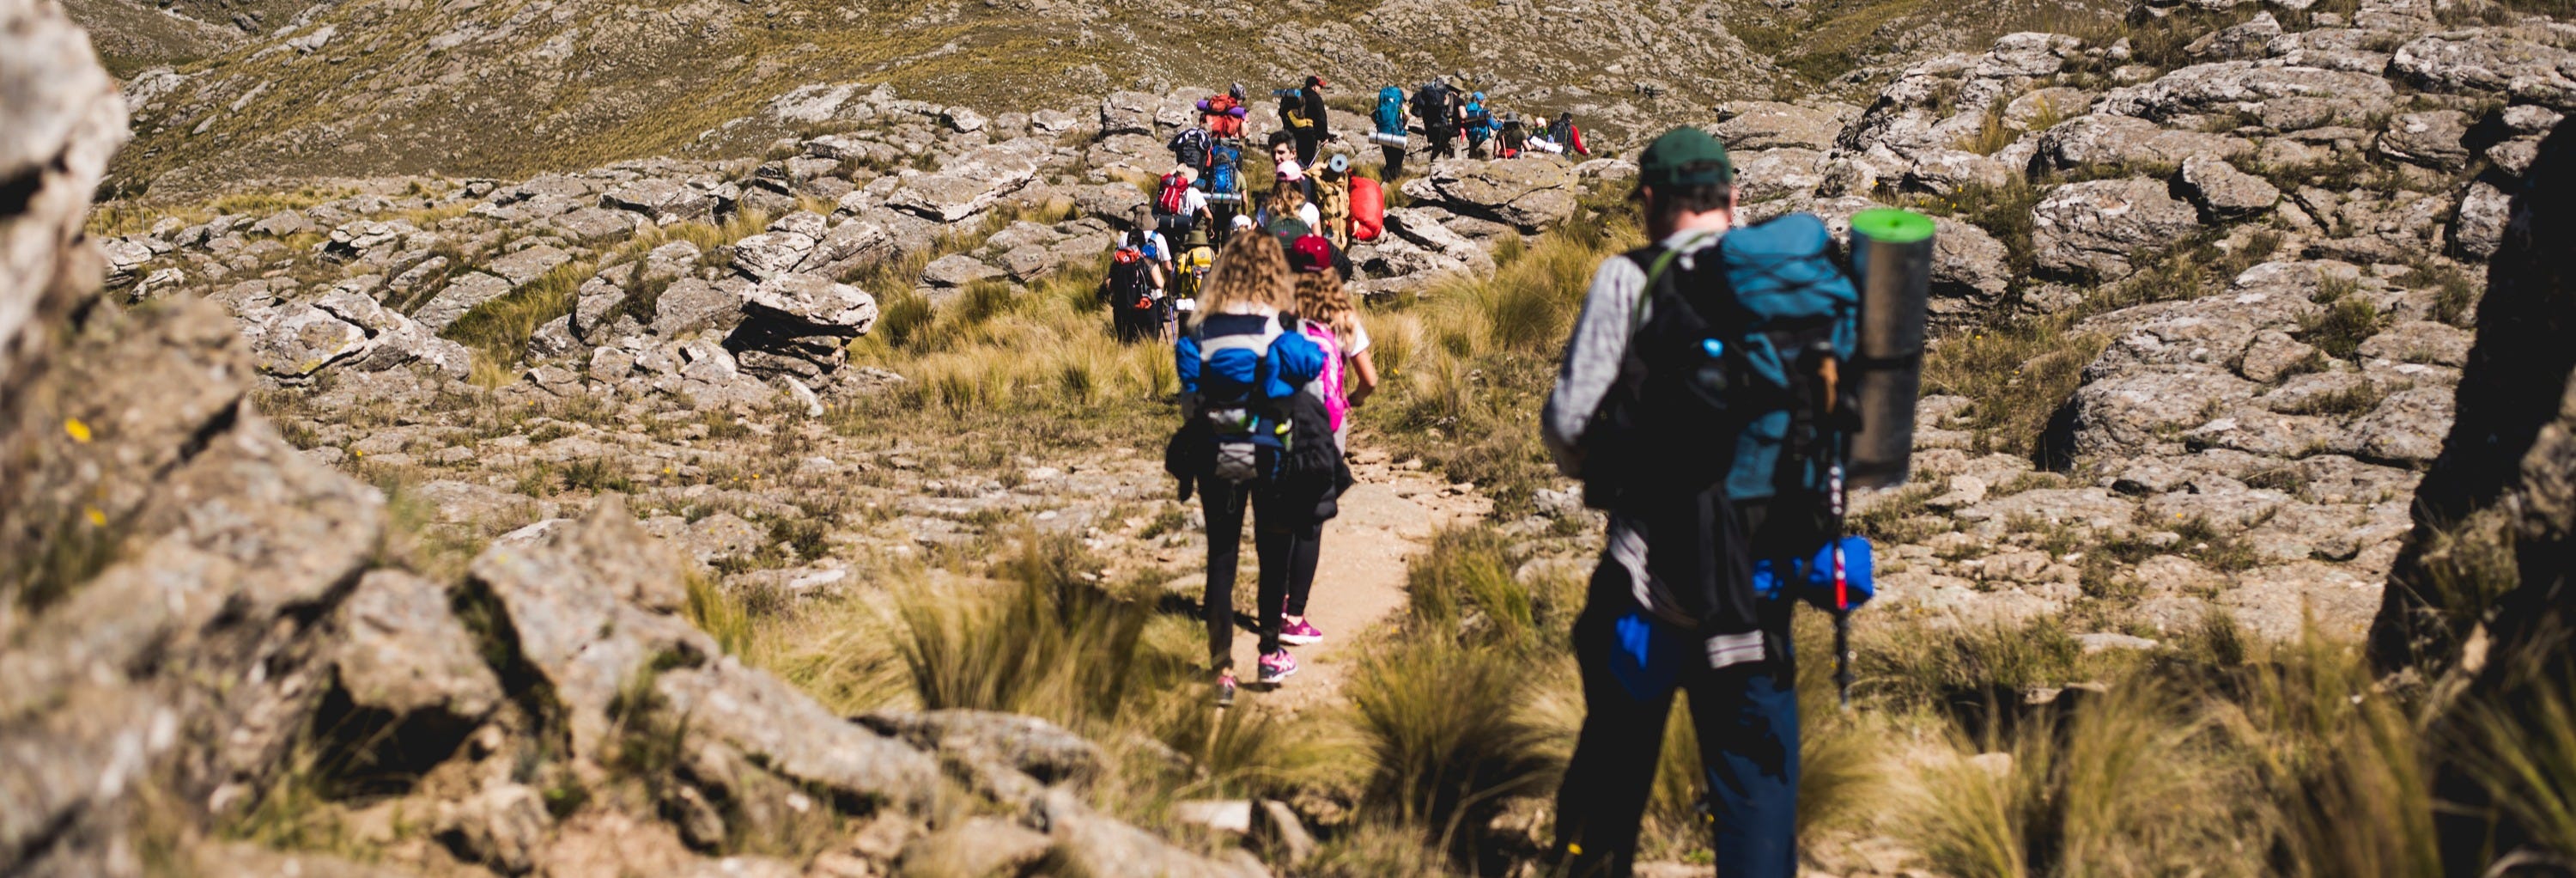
1388	119
1332	200
1514	139
1325	317
1568	139
1642	395
1197	257
1223	183
1192	148
1315	125
1144	234
1436	104
1240	364
1222	115
1478	124
1134	289
1286	168
1289	214
1179	204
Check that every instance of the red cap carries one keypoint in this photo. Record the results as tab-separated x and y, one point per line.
1311	254
1316	81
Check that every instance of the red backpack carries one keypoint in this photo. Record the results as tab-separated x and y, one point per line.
1168	199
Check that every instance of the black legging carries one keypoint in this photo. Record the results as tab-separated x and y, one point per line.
1287	545
1306	147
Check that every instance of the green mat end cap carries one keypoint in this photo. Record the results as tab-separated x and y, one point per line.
1888	225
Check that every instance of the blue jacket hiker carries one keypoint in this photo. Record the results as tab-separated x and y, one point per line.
1748	320
1242	366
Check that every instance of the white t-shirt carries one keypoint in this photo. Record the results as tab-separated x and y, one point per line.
1358	343
1314	219
1155	246
1193	201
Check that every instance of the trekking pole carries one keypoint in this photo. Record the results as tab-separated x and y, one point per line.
1842	598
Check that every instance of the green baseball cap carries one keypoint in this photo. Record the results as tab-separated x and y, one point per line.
1668	161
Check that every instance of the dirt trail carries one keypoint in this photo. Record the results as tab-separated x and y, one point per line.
1359	581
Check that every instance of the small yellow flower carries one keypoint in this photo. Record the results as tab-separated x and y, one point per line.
96	518
79	431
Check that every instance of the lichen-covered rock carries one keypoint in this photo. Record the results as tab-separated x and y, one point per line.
2095	228
2221	191
1752	126
1528	194
406	654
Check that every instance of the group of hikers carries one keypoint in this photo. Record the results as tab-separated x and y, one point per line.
1702	400
1201	202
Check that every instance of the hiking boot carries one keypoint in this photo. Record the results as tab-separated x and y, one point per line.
1225	689
1277	666
1300	633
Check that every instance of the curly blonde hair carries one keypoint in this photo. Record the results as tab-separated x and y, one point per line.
1321	298
1252	270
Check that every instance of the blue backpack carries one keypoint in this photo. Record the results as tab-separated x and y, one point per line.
1389	115
1238	400
1723	383
1224	178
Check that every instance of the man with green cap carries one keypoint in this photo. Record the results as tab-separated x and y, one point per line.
1657	618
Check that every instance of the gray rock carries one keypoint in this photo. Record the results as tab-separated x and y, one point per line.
973	182
991	742
294	341
2406	429
525	266
664	201
2478	227
594	225
2137	410
504	826
819	305
1777	172
393	339
1971	271
2094	228
856	242
463	292
2421	341
2221	191
771	253
2050	106
2288	98
2530	65
785	731
591	603
1128	112
1752	126
2104	141
406	654
2247	39
2273	353
1531	195
1951	171
976	846
957	270
2433	139
691	305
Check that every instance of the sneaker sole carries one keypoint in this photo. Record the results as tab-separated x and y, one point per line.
1301	639
1268	678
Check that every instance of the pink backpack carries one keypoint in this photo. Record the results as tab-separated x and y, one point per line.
1328	384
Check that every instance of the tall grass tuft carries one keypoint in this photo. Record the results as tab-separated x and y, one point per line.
1443	731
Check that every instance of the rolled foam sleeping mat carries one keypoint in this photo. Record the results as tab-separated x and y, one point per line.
1892	263
1382	138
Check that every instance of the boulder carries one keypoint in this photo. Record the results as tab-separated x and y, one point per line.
2105	141
2434	139
1951	171
2530	65
293	341
957	270
787	732
462	293
2221	191
690	305
1527	193
2286	98
393	339
663	201
813	303
1971	271
971	183
2094	228
594	225
1128	112
590	604
1774	173
1749	126
2478	226
405	653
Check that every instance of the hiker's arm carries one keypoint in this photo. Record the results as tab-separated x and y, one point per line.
1592	356
1364	378
1185	361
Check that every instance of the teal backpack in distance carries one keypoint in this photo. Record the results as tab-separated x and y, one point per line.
1389	115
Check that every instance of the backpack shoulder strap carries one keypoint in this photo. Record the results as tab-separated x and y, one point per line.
1656	261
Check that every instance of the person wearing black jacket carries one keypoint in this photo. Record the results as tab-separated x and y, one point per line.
1312	136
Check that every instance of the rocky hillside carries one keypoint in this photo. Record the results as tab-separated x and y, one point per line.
202	621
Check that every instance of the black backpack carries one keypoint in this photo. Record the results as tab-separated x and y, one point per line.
1132	304
1721	388
1190	147
1433	104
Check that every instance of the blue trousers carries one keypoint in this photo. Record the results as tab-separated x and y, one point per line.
1746	716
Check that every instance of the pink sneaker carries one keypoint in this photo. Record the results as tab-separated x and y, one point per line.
1225	689
1300	633
1277	666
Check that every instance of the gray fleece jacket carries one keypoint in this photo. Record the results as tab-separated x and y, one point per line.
1611	311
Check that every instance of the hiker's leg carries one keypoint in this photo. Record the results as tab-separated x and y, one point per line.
1306	548
1604	793
1222	502
1274	534
1747	717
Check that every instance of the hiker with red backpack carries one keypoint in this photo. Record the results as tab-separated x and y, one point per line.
1179	205
1222	115
1245	440
1136	287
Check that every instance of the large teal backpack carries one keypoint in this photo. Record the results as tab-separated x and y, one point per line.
1389	115
1723	382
